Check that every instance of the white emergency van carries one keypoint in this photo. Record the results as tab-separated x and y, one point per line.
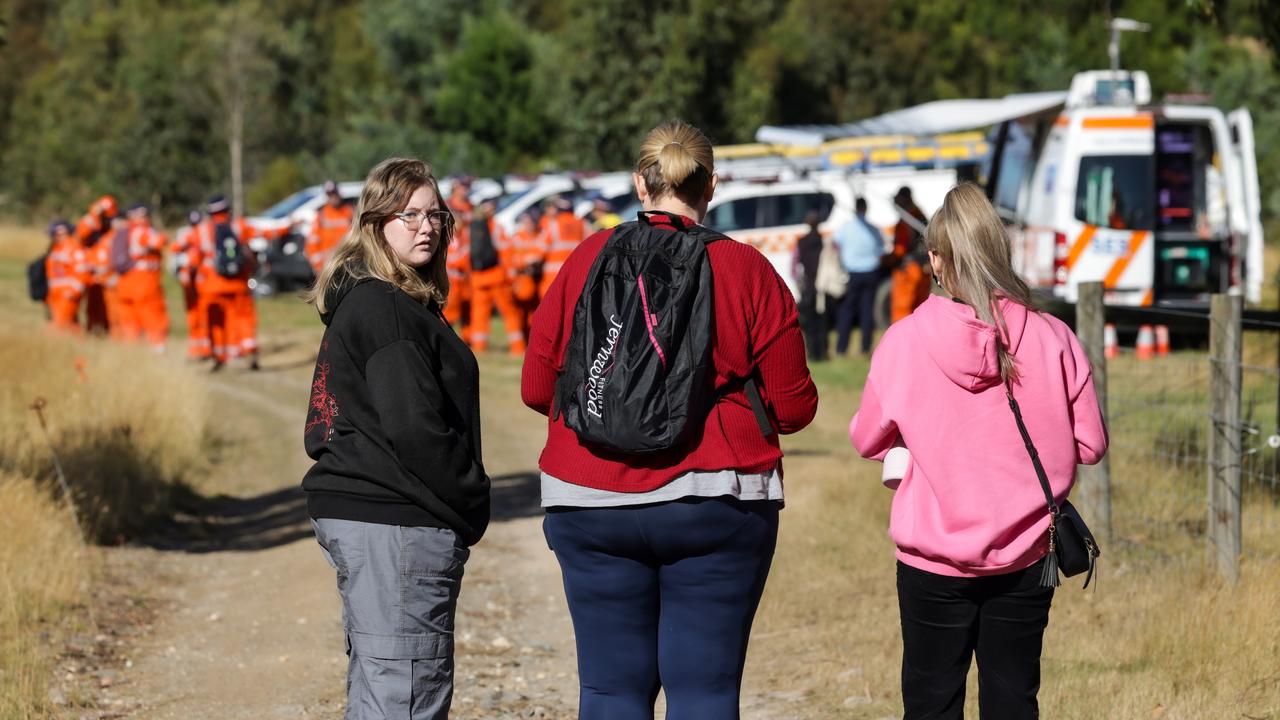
1159	202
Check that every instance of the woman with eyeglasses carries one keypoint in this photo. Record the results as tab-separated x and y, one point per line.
398	492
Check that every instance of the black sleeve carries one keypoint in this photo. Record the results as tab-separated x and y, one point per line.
405	390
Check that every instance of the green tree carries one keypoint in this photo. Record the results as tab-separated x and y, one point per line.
488	97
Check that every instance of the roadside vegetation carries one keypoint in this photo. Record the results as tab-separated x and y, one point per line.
131	432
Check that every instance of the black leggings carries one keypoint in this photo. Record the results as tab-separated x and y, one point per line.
945	620
662	596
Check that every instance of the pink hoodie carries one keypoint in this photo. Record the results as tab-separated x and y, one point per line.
969	503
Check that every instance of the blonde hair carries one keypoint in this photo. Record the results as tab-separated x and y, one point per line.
977	262
676	157
364	252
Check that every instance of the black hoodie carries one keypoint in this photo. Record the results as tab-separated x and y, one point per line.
394	418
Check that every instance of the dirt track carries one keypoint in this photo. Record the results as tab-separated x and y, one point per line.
245	613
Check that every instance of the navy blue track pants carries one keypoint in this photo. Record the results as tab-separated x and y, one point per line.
662	596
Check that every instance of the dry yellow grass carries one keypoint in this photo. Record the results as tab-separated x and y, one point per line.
44	573
128	425
21	242
130	429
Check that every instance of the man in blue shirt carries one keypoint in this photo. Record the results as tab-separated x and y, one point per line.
861	246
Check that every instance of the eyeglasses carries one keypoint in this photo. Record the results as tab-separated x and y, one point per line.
413	219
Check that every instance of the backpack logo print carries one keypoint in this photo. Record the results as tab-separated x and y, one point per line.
600	367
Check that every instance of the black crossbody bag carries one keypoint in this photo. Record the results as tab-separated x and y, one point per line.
1072	548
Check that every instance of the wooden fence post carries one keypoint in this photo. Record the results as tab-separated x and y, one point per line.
1225	446
1095	480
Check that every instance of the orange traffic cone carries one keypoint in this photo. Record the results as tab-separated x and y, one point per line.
1146	343
1110	342
1162	340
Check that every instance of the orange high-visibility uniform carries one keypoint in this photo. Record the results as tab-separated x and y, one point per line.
493	287
67	268
227	302
186	258
561	233
139	294
458	265
527	253
90	231
102	288
910	282
327	231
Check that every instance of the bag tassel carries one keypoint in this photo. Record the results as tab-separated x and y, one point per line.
1049	576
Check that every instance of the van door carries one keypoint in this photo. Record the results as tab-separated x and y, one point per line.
1241	123
1193	231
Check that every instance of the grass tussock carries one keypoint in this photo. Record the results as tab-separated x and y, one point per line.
44	573
128	426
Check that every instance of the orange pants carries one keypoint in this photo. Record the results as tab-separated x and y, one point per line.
488	288
525	290
219	313
458	311
64	311
111	294
140	307
96	320
198	345
910	289
244	316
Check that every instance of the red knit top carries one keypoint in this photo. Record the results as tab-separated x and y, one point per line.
756	329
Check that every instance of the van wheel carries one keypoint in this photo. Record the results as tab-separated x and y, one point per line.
884	304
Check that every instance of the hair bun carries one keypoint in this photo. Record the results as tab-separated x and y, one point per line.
676	157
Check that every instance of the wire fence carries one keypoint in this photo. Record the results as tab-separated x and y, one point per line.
1259	426
1161	421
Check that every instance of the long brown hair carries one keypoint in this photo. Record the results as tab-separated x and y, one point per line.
364	252
676	157
977	262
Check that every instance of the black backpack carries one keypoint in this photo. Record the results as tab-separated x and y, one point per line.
229	257
38	279
119	256
637	373
484	253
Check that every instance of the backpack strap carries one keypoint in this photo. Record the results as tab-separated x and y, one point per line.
757	407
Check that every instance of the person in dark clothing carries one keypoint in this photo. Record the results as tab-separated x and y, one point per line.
813	314
398	492
861	249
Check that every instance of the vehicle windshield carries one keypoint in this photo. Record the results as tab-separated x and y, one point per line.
1116	191
282	209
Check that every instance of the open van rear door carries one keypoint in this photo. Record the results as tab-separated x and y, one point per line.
1241	123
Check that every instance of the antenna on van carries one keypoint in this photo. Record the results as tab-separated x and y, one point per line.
1119	25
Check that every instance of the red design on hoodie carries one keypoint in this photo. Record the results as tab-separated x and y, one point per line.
324	406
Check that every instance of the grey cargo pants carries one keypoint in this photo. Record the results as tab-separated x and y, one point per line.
399	588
